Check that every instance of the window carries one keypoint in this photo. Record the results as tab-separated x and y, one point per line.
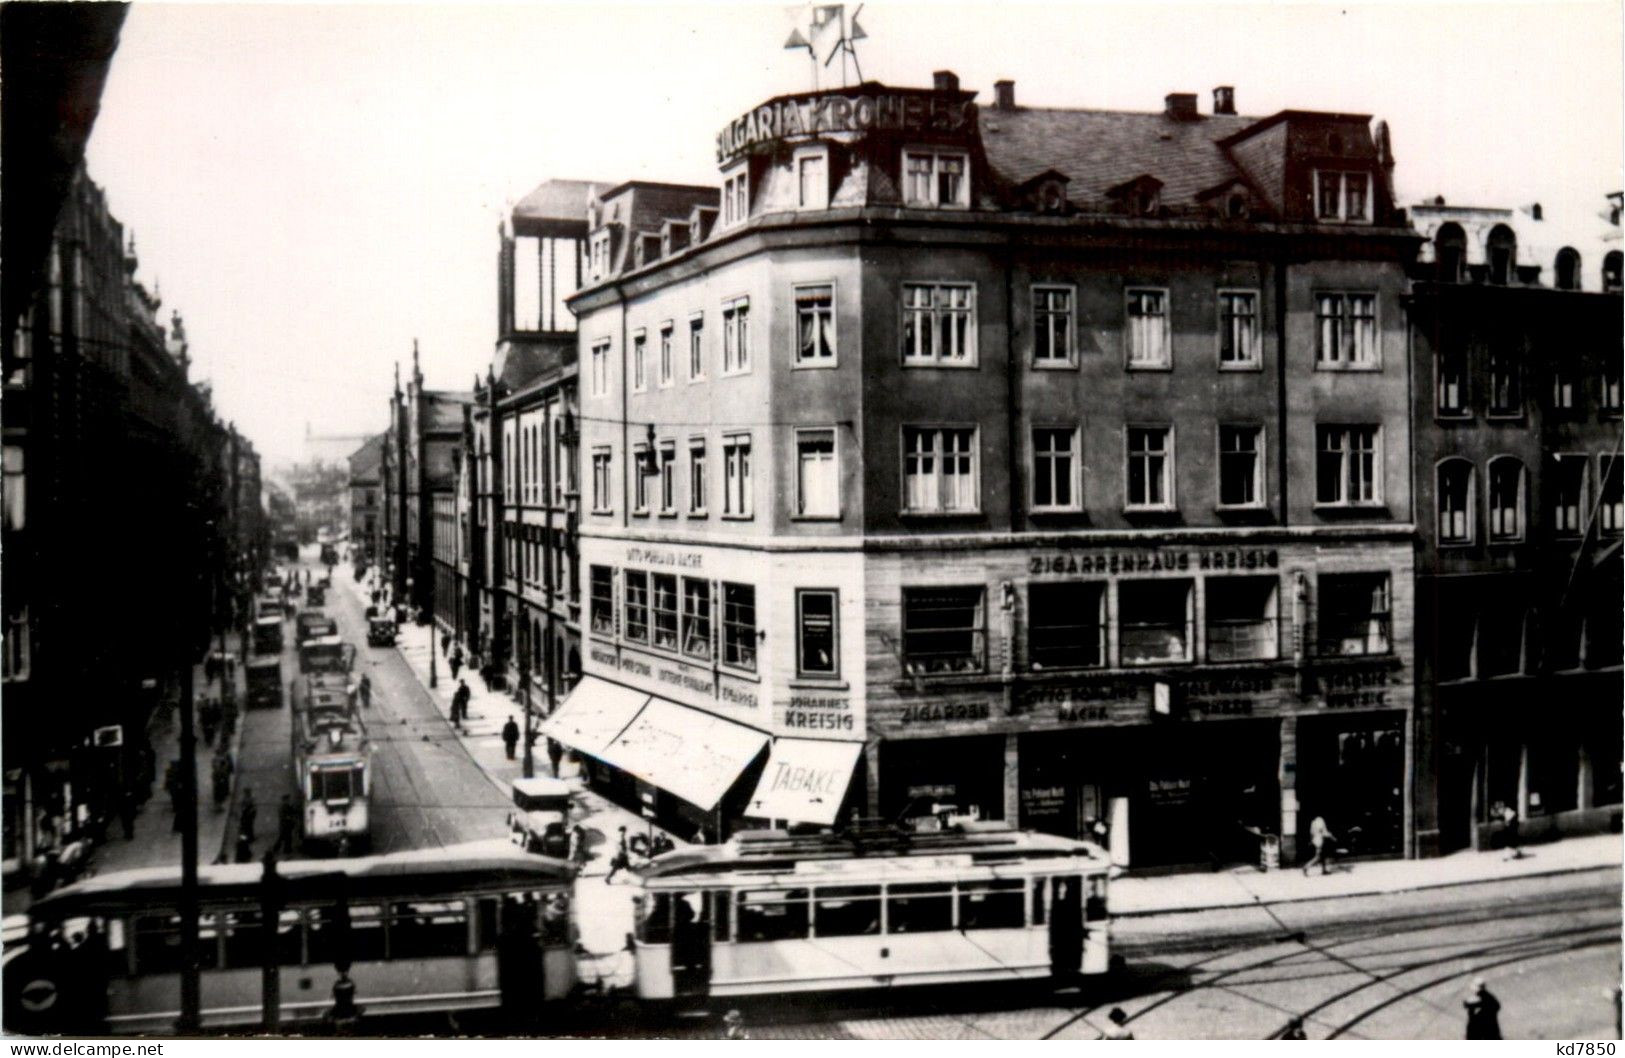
600	369
1241	466
696	347
815	325
1342	196
637	606
1354	613
943	630
427	929
739	626
15	489
816	632
1066	625
666	367
1150	468
939	323
1568	482
1455	478
668	477
18	654
1451	383
697	618
665	588
919	907
696	476
1501	254
736	336
1566	269
1348	459
1612	280
1052	327
1239	345
1242	618
601	599
817	475
1610	510
847	911
735	197
1501	640
640	362
1450	252
1055	468
1609	389
1506	386
772	914
1346	325
736	492
997	903
640	478
1154	621
1506	499
1148	337
939	469
935	179
812	180
600	480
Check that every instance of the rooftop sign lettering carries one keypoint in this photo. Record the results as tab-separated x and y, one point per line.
810	116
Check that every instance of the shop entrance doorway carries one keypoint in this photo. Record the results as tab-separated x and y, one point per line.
1351	772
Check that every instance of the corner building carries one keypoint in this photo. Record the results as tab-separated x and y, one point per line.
1047	464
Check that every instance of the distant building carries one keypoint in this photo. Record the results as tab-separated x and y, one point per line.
366	491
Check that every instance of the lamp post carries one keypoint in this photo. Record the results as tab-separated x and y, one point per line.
434	674
524	698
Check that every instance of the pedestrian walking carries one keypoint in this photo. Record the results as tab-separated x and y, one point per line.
220	775
622	858
1509	832
555	755
485	674
1294	1030
578	844
510	736
455	661
733	1026
287	824
245	848
445	644
1118	1029
1483	1013
366	691
209	719
247	815
1320	839
459	702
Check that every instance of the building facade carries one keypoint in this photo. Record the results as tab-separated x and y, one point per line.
944	459
366	494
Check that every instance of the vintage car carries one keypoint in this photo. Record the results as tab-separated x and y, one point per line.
380	632
311	624
540	820
265	682
316	594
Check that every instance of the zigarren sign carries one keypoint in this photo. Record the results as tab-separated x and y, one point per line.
857	111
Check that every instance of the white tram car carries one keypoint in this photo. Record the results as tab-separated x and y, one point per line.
769	913
332	764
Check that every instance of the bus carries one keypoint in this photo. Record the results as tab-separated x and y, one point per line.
769	913
468	927
332	764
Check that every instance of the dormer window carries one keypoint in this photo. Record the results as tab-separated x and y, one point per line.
812	179
1342	196
736	197
600	255
936	179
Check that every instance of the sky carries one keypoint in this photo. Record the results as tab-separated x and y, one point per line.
316	186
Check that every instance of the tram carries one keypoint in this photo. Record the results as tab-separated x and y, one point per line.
770	913
332	763
481	925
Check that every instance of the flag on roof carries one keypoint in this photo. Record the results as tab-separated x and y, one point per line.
797	41
856	32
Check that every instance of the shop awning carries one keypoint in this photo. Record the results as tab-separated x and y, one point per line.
594	713
805	780
684	751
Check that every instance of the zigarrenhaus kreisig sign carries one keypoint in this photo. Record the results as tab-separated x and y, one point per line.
862	109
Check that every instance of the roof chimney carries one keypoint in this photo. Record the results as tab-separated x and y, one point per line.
1181	106
945	81
1004	94
1224	100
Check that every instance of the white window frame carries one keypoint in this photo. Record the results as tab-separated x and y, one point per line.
1565	389
1253	357
1447	537
936	454
738	493
601	503
1044	320
1463	408
1342	215
640	480
1582	501
834	435
699	484
1520	512
1609	391
799	359
933	200
1131	360
1257	502
1512	364
736	195
1346	356
600	367
667	455
1345	473
1170	501
667	370
834	671
696	346
640	361
1074	475
820	200
1608	518
936	317
736	336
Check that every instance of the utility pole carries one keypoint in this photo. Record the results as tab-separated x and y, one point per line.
189	1020
270	971
549	675
499	542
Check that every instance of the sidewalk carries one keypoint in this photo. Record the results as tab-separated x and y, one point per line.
1246	886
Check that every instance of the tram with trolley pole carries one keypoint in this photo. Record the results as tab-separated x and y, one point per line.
769	912
470	927
332	764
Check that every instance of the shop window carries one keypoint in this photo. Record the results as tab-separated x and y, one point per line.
1506	509
1348	461
1354	614
817	475
1239	335
739	626
815	325
943	630
637	606
1150	470
1568	485
1055	468
1154	621
1052	326
1506	387
1150	342
1455	493
1066	625
1346	330
939	324
1242	618
428	929
846	911
665	611
919	907
1241	466
601	599
940	470
816	632
1611	508
1500	645
772	914
998	903
697	618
